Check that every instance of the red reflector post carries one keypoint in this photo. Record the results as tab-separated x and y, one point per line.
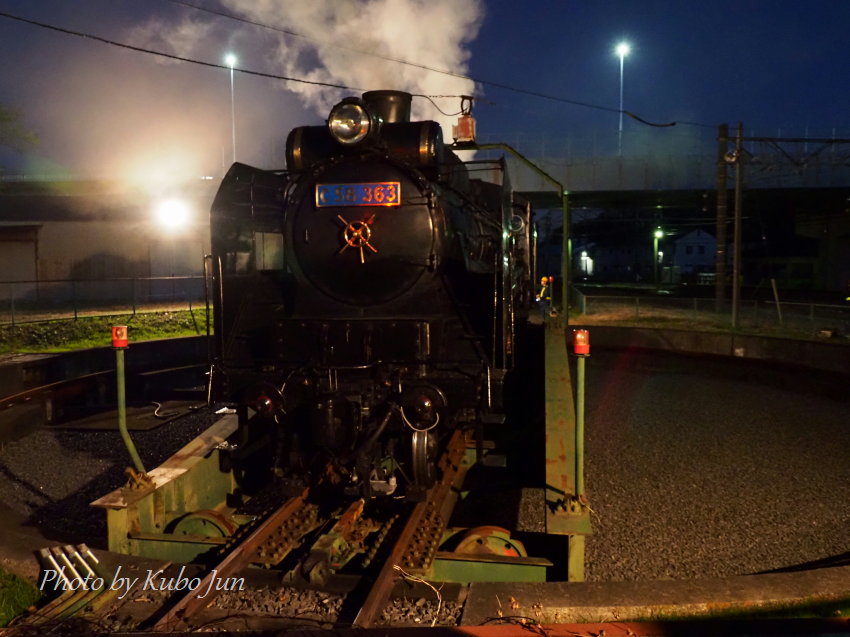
119	336
581	342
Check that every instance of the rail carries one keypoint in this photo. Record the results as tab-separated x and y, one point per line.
236	560
428	518
284	528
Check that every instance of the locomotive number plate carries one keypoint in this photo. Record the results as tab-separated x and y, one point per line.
381	193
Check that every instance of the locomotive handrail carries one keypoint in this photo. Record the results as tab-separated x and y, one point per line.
566	244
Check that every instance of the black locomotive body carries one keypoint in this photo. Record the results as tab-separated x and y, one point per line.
365	300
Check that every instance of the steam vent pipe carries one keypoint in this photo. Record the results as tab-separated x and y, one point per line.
390	106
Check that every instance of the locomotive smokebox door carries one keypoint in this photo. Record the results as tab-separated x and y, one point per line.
364	242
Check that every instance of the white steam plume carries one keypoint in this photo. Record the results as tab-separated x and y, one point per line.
181	39
432	33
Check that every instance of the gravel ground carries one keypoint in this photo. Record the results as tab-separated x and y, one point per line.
698	469
690	472
52	475
322	610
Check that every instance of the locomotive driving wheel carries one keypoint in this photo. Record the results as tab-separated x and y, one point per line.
423	451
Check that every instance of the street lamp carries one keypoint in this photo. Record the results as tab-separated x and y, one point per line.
172	215
622	50
658	234
230	60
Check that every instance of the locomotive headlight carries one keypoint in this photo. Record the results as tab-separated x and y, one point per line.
349	121
517	224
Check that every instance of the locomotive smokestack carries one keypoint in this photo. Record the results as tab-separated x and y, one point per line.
390	106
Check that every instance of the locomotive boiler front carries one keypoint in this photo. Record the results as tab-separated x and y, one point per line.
365	226
363	243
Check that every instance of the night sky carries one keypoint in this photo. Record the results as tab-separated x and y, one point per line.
104	111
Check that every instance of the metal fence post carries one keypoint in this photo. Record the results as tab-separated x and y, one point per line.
637	307
12	302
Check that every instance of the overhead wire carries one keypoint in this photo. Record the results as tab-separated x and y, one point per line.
483	82
434	104
171	56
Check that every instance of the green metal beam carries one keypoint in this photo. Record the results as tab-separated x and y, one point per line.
560	414
566	513
452	567
191	480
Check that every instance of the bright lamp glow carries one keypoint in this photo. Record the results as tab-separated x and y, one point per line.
230	60
349	122
659	233
172	214
623	49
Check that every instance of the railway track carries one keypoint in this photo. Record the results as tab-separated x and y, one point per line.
415	538
389	543
587	630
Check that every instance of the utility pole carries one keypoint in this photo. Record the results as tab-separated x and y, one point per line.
722	197
739	201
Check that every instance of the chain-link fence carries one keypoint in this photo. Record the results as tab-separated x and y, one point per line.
29	301
815	319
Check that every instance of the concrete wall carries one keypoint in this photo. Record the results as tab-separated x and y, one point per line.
829	356
91	252
105	249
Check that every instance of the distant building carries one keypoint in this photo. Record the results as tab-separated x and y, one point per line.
799	237
91	241
600	262
694	253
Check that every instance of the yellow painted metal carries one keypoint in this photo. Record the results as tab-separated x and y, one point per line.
139	520
490	540
455	567
560	414
566	514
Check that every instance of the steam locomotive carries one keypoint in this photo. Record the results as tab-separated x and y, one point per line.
366	301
